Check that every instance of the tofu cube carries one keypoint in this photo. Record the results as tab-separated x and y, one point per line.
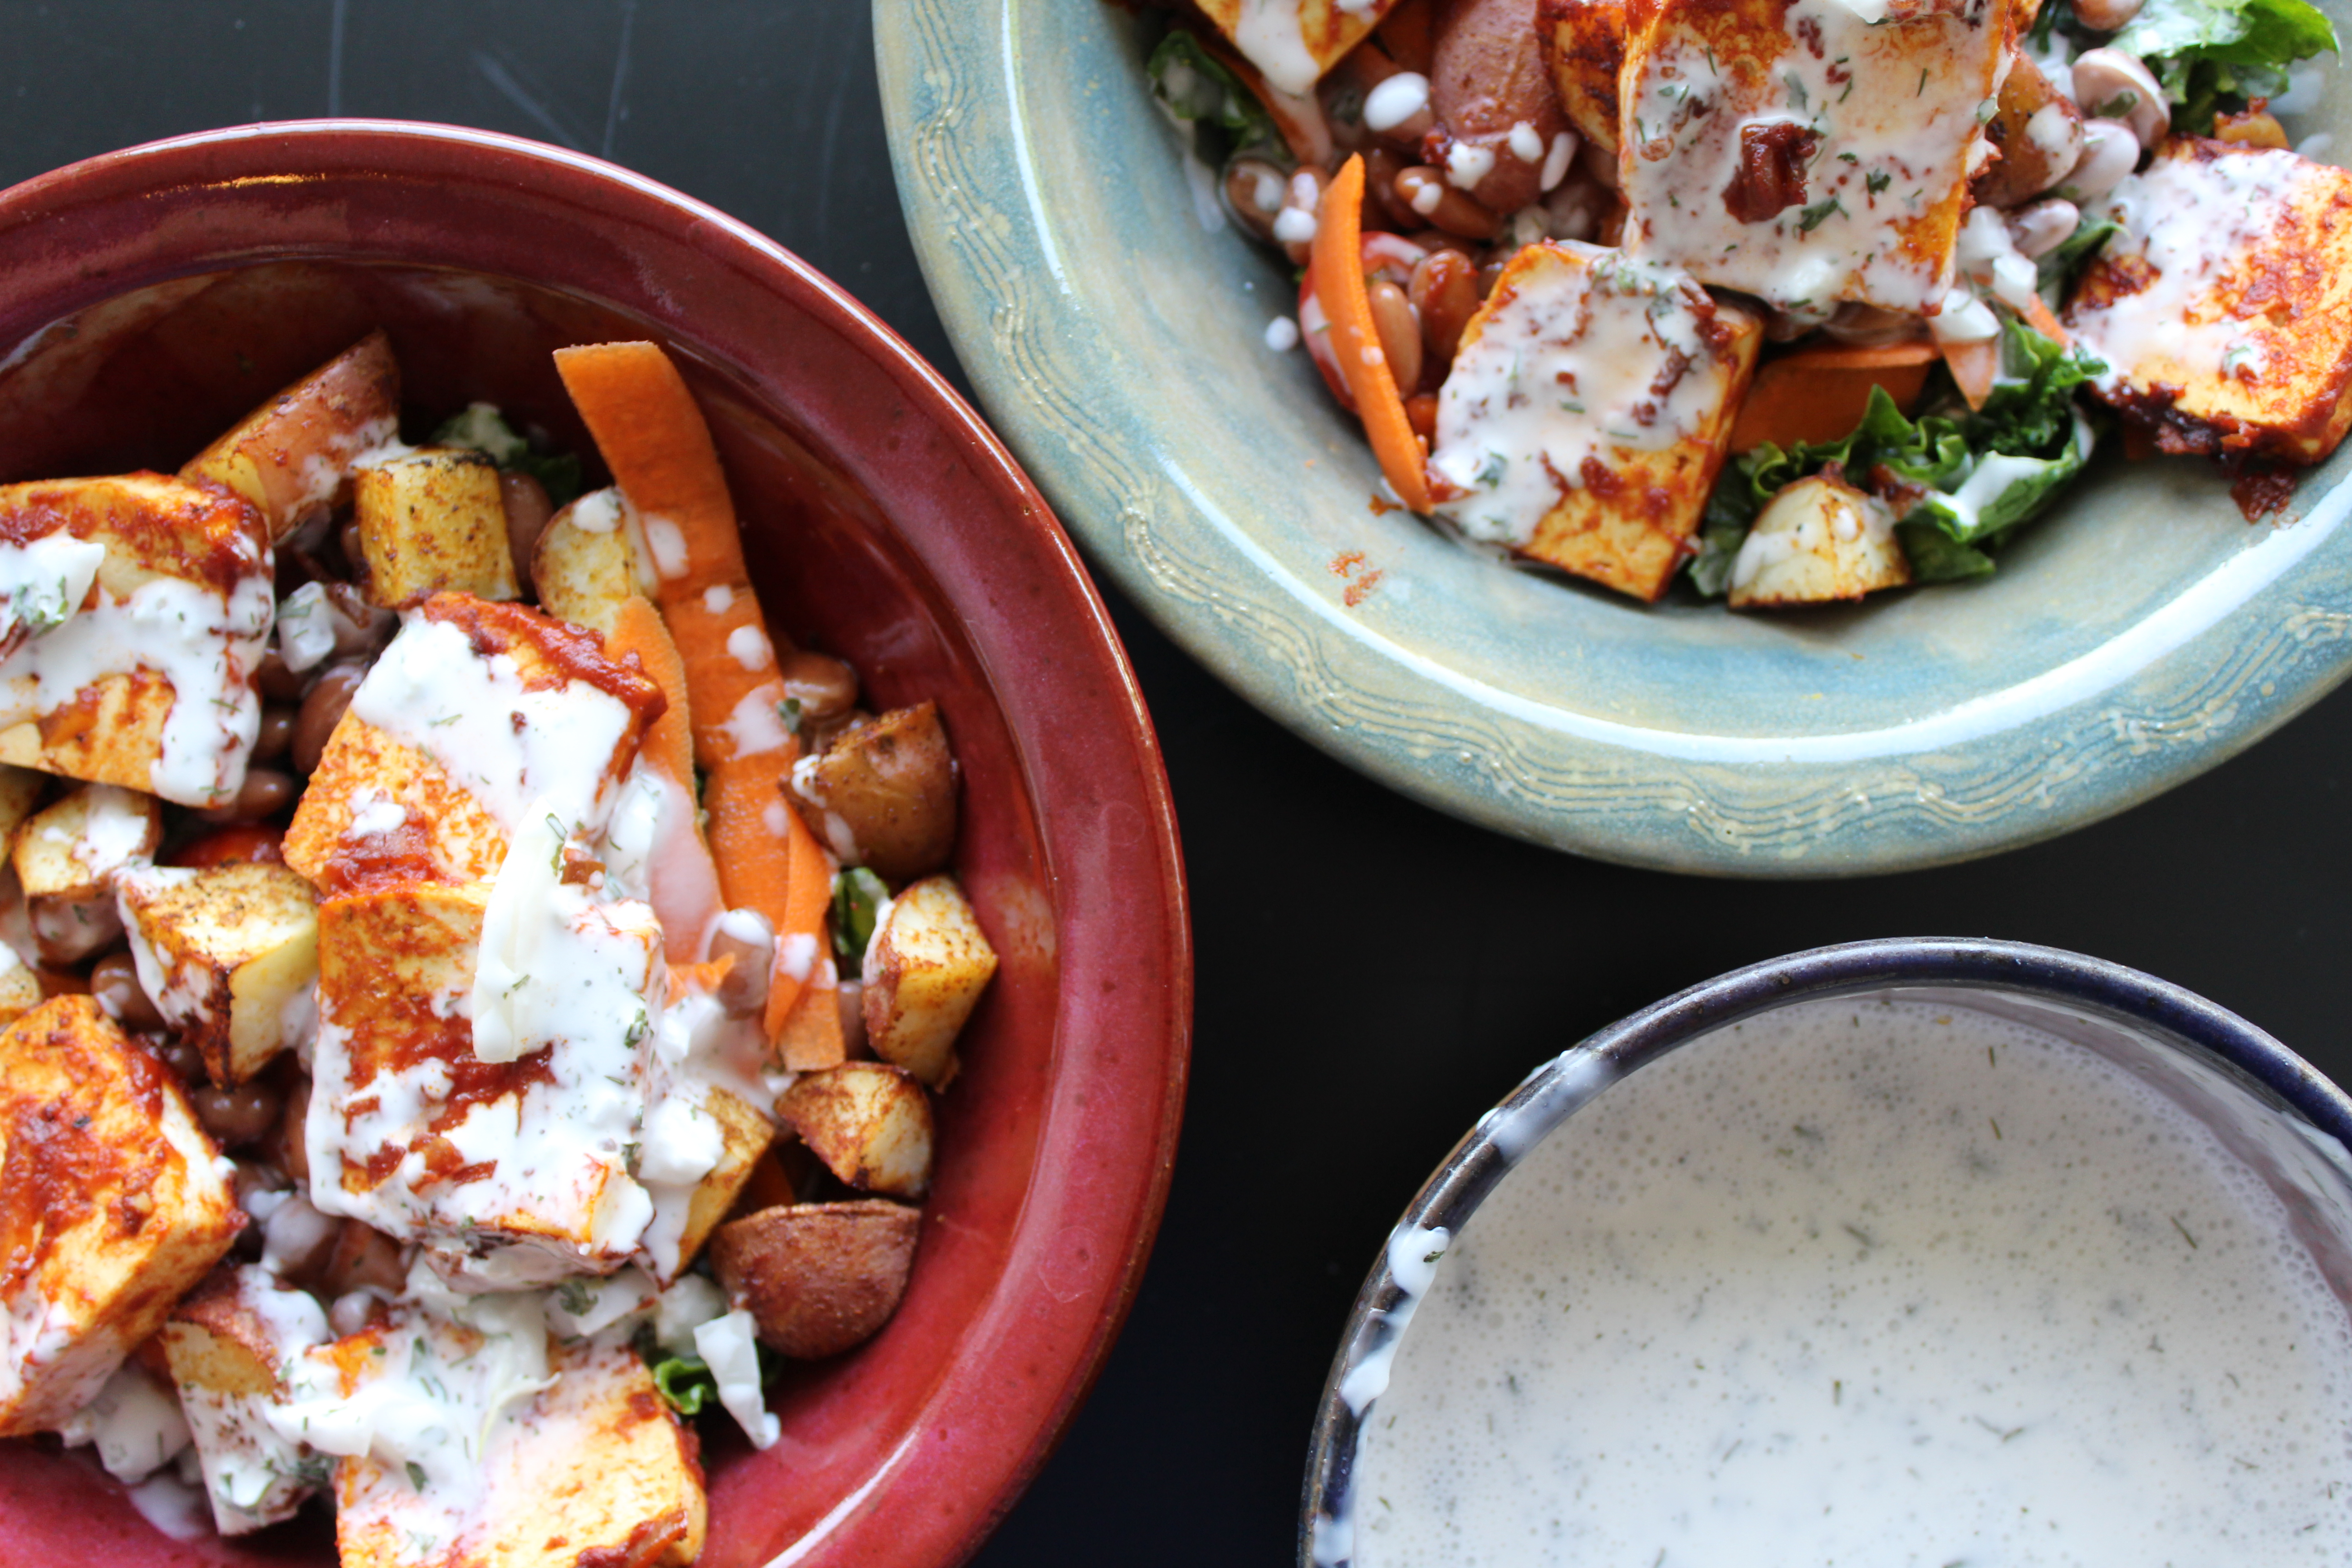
584	567
1583	424
229	1347
149	599
2224	309
292	457
1817	540
1794	150
113	1204
76	847
512	1173
430	522
229	954
1583	44
1292	44
925	971
592	1469
870	1123
475	715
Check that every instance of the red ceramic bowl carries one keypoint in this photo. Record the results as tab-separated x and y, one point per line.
152	296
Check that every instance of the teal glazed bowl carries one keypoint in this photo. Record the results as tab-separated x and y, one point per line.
2138	635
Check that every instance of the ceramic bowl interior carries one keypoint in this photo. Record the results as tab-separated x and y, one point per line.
1113	323
156	295
2265	1105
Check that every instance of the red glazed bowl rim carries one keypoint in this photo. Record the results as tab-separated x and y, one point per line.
128	219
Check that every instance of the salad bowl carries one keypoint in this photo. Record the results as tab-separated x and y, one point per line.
152	293
1114	323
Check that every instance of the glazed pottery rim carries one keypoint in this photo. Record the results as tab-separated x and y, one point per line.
1564	1084
997	1432
2198	678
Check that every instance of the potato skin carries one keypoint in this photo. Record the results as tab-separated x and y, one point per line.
1489	76
891	784
818	1277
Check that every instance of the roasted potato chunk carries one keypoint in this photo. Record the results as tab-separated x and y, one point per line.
1617	346
818	1277
2245	350
229	1346
687	1207
2037	130
868	1121
583	567
228	953
112	1206
290	457
74	848
884	793
1819	540
430	522
924	973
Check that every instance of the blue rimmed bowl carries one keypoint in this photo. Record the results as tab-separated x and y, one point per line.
2267	1106
2132	639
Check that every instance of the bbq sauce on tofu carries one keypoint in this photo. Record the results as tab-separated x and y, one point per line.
1807	152
2224	310
1582	421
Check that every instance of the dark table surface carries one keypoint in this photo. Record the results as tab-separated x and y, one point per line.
1371	975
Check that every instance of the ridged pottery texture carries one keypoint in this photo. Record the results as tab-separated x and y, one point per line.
1112	323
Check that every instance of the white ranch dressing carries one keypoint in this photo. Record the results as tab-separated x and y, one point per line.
511	746
1272	35
255	1473
1566	370
204	642
1868	1284
44	581
1895	117
2188	224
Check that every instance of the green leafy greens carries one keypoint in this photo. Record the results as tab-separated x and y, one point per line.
2216	54
481	426
1192	86
686	1382
859	895
1966	478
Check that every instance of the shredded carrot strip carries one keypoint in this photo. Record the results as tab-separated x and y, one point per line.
1337	258
653	436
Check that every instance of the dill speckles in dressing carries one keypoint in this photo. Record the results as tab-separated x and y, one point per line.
1873	119
1583	365
1868	1286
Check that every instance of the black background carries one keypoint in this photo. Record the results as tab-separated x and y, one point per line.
1371	975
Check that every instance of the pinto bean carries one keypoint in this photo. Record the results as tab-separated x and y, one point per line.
528	510
322	712
240	1115
1399	333
1426	192
114	981
264	793
1445	290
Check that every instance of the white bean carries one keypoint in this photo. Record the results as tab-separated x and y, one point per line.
2109	80
2110	150
2042	228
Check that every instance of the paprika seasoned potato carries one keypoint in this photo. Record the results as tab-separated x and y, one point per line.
818	1277
884	793
868	1121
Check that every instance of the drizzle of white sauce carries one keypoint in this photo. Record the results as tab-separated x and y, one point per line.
1587	355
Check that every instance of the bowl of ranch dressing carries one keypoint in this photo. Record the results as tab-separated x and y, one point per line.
1909	1254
